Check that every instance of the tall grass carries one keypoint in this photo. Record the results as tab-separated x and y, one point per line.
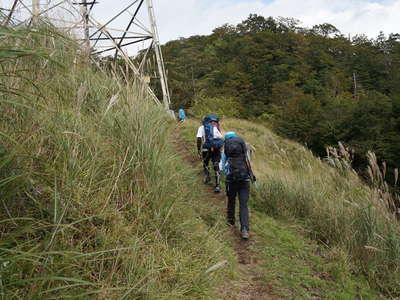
94	202
336	207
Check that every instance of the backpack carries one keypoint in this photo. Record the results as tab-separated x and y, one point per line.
209	121
235	151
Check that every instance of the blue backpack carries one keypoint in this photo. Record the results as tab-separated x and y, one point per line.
211	142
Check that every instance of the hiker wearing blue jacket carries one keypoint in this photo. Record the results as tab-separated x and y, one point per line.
237	168
181	115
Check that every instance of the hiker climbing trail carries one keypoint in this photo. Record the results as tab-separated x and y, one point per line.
250	284
280	260
97	202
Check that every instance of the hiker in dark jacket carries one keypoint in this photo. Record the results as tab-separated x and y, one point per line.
237	168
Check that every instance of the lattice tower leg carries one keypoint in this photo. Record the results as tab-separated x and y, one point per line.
159	57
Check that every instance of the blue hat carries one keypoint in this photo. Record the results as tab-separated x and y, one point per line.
230	135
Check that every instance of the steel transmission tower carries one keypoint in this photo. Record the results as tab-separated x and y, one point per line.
160	60
100	38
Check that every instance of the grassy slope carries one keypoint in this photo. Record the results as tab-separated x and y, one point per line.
308	197
99	205
93	204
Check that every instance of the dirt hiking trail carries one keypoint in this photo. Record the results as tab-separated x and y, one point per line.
249	285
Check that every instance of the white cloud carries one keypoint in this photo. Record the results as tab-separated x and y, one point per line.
182	18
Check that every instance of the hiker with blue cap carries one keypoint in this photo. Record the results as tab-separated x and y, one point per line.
237	168
209	144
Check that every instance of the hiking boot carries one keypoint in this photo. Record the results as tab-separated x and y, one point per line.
217	189
245	235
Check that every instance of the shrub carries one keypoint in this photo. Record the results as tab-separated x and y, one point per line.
226	107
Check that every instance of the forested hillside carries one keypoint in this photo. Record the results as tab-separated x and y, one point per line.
314	85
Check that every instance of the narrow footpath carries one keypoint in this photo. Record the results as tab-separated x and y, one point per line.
281	260
249	285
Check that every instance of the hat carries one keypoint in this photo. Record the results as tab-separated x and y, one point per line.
230	135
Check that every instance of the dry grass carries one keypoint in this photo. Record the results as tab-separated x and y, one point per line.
94	202
332	202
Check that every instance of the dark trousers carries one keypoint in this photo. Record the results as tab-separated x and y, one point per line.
215	157
241	189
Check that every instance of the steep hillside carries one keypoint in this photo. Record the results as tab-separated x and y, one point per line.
331	205
94	202
98	200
